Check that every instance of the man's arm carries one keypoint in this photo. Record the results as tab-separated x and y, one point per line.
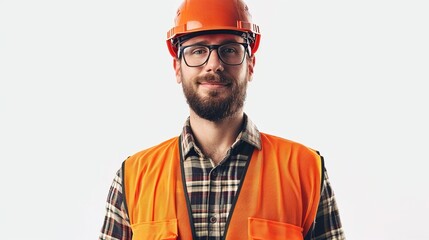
327	224
116	222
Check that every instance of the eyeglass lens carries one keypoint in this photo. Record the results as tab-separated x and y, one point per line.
230	53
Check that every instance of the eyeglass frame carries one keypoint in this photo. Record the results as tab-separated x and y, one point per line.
211	48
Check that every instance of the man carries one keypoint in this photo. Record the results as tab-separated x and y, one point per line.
221	178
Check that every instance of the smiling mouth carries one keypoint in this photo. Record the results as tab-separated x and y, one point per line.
214	85
214	81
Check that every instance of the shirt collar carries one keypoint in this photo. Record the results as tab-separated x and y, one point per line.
249	134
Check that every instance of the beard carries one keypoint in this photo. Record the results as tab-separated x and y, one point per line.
213	107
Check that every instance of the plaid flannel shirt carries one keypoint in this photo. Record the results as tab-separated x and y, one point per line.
211	189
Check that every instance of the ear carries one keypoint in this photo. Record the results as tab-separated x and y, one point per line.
176	65
251	65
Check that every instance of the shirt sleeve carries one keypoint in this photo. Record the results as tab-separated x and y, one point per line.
327	224
116	224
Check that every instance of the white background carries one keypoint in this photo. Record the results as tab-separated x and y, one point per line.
85	83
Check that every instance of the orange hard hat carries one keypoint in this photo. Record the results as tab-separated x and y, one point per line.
200	16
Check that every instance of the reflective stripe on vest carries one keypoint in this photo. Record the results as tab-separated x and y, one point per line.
278	198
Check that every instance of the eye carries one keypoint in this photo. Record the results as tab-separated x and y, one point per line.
229	50
197	50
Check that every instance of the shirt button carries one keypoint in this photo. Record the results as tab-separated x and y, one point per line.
213	219
214	174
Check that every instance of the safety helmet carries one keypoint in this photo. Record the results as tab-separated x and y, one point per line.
204	16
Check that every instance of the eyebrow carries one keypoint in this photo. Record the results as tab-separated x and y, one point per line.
205	42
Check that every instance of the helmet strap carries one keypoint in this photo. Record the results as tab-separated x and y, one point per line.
178	41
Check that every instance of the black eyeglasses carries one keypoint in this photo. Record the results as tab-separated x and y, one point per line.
199	54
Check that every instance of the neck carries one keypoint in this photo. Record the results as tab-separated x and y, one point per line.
215	138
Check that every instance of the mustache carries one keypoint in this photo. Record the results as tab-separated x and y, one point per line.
214	78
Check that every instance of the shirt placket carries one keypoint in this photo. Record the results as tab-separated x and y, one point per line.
214	204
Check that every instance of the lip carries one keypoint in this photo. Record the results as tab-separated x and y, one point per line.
214	85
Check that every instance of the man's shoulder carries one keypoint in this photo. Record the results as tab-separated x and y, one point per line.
281	142
160	148
279	139
298	153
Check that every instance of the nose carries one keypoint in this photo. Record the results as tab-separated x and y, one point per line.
214	63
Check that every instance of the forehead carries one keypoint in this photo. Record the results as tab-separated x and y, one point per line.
214	39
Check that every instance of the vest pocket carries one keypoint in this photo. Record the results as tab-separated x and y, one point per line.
159	230
266	229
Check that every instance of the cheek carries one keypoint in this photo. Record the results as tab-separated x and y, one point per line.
245	73
188	74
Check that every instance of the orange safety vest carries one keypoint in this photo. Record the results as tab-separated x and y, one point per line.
278	198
